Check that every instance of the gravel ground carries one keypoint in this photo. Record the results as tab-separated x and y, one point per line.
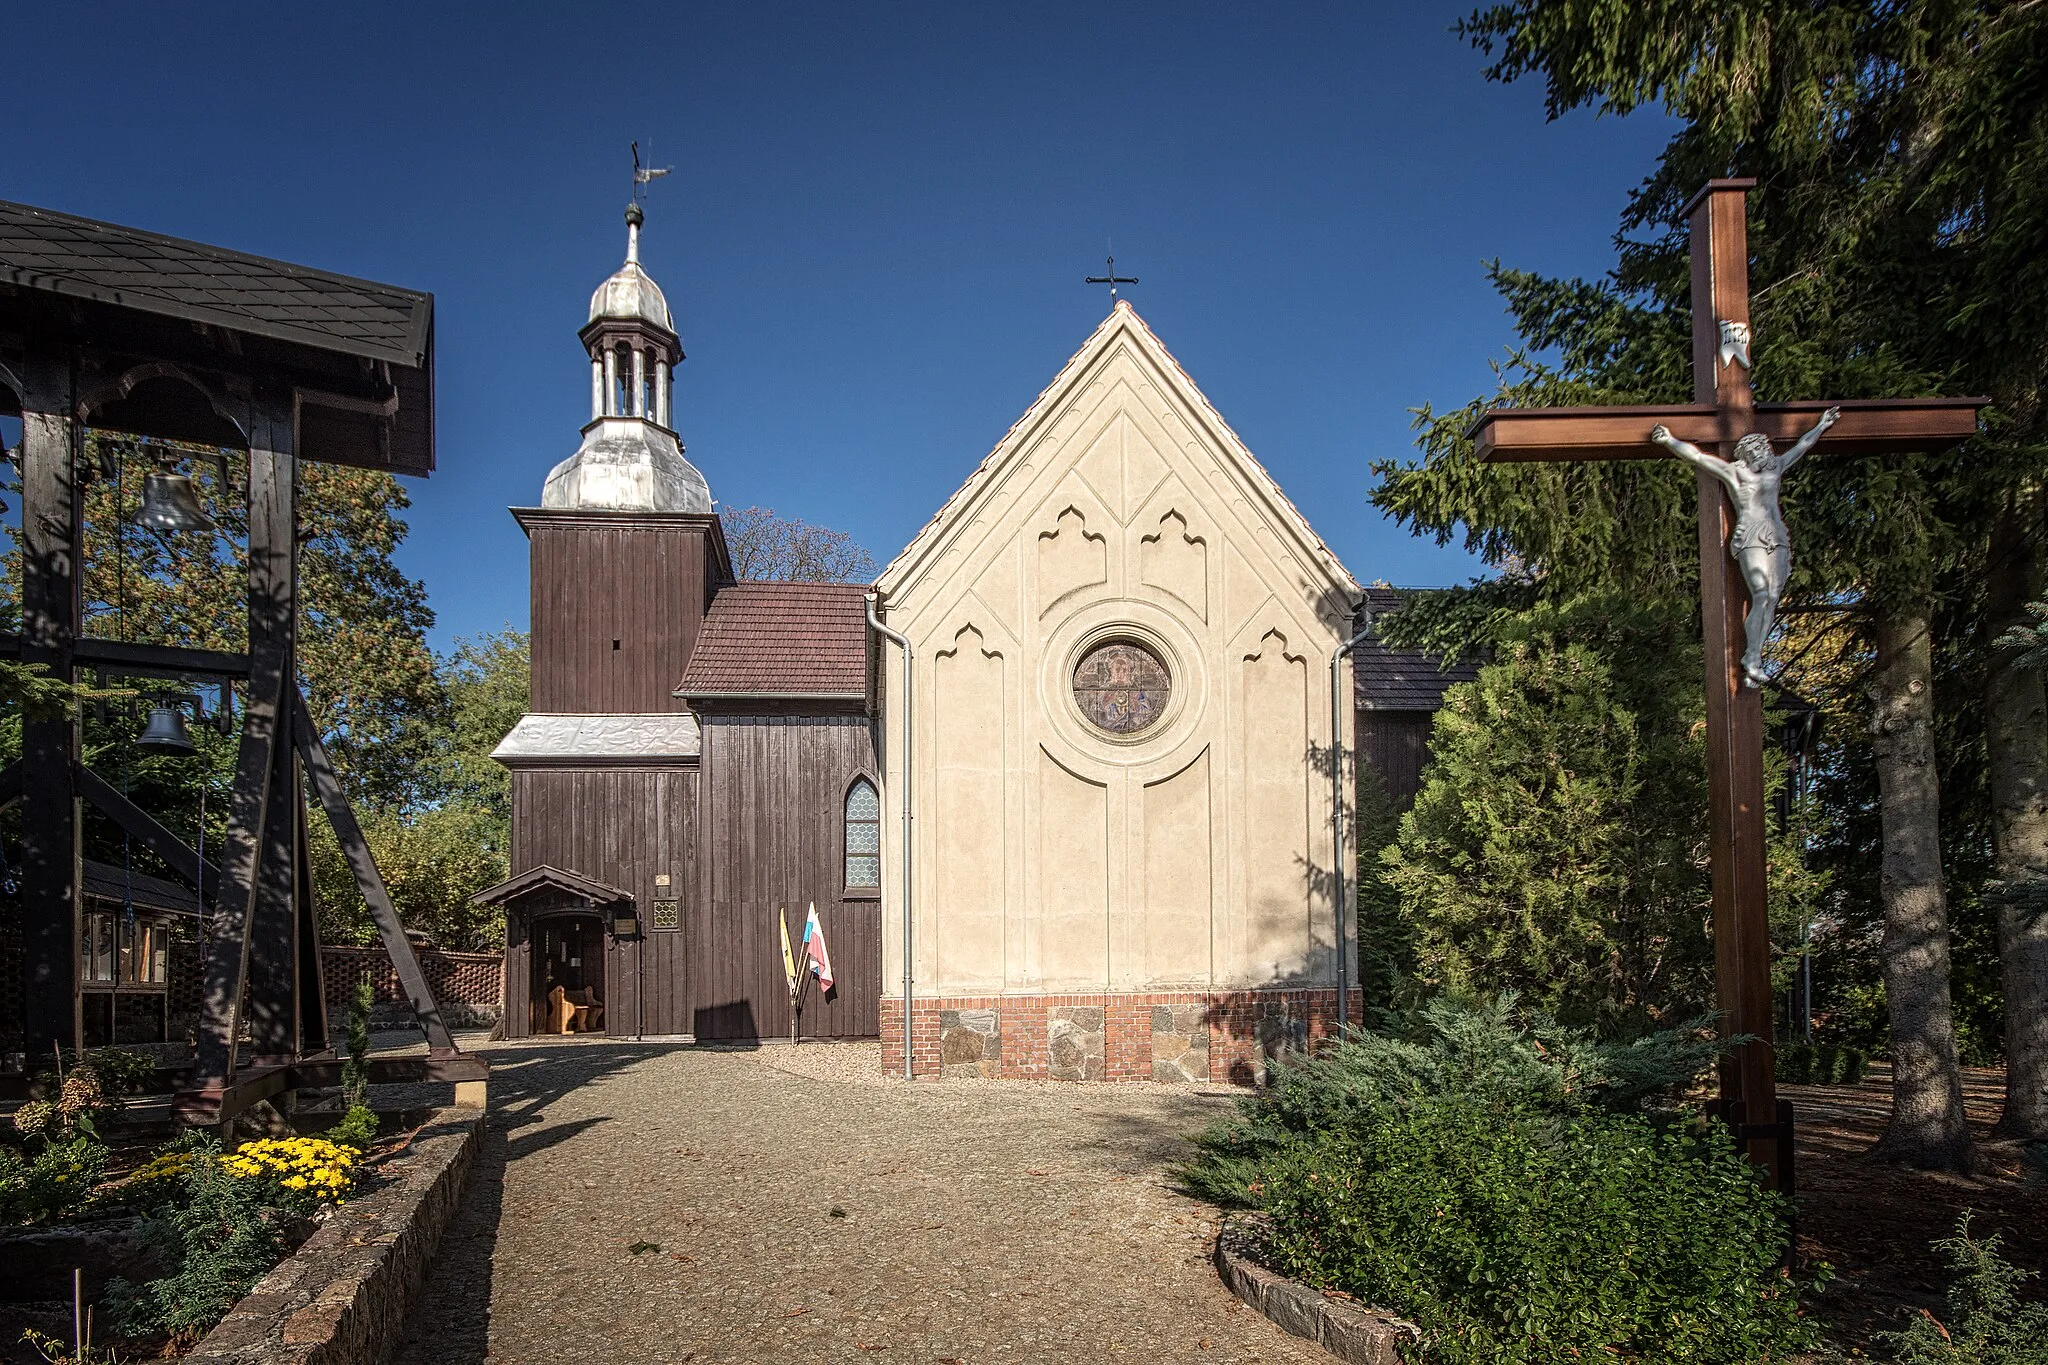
646	1202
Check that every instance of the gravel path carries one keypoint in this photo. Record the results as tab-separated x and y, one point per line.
982	1221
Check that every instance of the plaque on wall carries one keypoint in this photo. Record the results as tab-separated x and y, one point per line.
1122	687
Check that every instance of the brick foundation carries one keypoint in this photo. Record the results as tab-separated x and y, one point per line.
1169	1036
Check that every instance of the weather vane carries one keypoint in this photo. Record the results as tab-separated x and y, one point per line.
644	175
1112	279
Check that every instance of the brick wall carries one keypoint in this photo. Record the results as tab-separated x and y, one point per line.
1113	1036
467	986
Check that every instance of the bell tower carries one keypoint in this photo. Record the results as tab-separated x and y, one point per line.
626	551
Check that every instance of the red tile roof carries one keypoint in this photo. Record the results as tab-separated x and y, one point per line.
787	639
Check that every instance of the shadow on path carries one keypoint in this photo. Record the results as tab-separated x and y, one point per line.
451	1323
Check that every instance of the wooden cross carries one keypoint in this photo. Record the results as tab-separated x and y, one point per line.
1724	410
1112	279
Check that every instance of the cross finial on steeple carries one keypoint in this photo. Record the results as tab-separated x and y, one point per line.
1112	279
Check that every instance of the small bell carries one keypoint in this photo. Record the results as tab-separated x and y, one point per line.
170	504
165	733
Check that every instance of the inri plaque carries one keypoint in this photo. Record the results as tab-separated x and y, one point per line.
1122	687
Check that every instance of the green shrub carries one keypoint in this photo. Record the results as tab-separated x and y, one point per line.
357	1129
1536	1238
1987	1324
57	1180
355	1069
217	1239
1488	1053
1822	1064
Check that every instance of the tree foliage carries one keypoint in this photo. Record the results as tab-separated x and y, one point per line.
1557	848
1894	236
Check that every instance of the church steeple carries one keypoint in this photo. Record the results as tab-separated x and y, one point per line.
630	459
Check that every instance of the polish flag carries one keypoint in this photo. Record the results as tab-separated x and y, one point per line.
814	949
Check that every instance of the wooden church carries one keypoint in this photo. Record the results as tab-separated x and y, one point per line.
695	746
1059	784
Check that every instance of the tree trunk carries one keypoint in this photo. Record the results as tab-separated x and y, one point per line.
2016	740
1927	1127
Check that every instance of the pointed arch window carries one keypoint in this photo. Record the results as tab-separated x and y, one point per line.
863	836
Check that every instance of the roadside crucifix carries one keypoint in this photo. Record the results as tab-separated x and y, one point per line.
1744	557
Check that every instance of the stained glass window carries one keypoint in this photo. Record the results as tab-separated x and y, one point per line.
1121	687
863	835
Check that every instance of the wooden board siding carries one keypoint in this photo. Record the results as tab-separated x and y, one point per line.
642	584
772	806
1395	745
622	826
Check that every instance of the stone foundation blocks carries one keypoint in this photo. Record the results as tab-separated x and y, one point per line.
1076	1043
1180	1043
970	1043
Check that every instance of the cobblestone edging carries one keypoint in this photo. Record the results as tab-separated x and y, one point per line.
342	1298
1358	1336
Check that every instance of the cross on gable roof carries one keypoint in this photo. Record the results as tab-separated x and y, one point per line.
1122	327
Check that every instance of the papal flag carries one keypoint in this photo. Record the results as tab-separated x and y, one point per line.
814	949
788	958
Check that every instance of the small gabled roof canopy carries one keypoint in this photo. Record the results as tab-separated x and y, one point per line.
86	259
119	885
169	332
545	878
795	641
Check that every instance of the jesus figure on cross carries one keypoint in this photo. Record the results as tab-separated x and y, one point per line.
1741	535
1760	544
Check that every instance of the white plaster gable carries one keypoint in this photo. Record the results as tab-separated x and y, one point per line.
1123	333
1052	854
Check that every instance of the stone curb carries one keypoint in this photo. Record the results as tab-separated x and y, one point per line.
1356	1335
342	1298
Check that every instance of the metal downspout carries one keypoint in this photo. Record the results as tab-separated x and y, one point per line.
1337	694
904	643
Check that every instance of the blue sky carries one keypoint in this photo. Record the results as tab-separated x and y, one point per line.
875	235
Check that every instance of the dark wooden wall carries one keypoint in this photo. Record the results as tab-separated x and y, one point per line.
621	826
1395	745
643	582
772	807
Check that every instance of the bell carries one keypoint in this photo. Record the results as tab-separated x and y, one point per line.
165	733
170	504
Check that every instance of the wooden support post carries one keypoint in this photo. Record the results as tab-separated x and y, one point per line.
272	591
313	1032
273	1003
1735	712
51	524
371	883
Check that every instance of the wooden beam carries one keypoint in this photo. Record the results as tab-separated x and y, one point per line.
162	661
151	833
1868	427
313	1028
371	883
51	533
272	999
272	602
